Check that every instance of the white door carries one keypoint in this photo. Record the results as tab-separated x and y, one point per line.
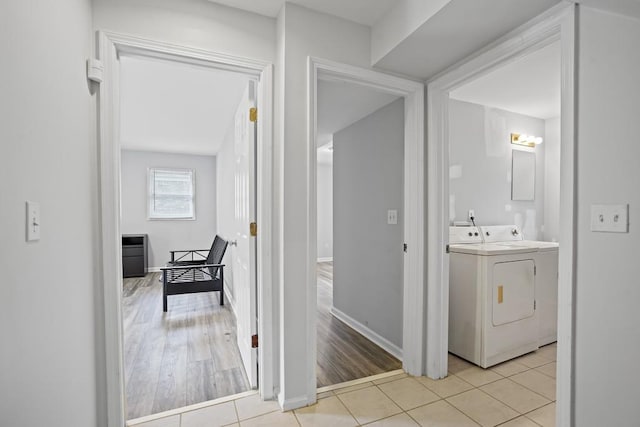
244	261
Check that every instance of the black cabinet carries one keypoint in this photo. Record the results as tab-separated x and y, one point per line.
134	255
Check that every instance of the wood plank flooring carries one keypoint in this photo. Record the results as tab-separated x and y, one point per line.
344	354
189	354
185	356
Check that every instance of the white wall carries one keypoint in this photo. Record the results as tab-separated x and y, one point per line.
51	356
168	235
304	33
551	180
607	346
197	23
325	211
368	259
480	167
226	200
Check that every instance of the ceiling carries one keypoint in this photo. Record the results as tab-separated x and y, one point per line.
172	107
459	29
622	7
366	12
180	108
529	86
432	39
341	104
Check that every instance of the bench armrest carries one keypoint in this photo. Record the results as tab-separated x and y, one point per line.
191	267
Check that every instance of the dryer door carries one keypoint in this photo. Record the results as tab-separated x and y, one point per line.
513	291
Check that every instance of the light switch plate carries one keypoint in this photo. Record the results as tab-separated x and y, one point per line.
33	221
392	216
610	218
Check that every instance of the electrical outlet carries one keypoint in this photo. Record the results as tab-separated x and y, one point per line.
471	214
610	218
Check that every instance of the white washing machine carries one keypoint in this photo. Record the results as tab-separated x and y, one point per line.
546	260
492	293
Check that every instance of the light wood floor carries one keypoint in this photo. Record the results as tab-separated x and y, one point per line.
189	354
185	356
344	354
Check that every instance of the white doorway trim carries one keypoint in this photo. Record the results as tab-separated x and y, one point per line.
558	23
110	46
413	285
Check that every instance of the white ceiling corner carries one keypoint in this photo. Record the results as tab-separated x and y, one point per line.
365	12
456	31
173	107
528	86
341	104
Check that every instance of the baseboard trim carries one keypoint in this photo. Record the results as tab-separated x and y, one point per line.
228	299
295	403
372	336
153	269
359	381
326	259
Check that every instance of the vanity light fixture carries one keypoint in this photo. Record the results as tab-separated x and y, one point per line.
525	140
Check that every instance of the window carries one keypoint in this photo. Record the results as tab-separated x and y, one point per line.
171	193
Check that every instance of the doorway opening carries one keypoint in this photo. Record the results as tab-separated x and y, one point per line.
360	232
554	26
199	348
504	188
187	176
411	102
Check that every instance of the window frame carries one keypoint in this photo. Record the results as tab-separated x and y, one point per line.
151	194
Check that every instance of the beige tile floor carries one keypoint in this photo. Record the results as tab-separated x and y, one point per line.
518	393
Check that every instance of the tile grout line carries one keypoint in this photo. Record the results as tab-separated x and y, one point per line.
403	411
295	416
347	408
235	408
535	422
504	403
509	377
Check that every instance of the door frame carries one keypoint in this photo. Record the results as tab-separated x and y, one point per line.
558	23
413	209
110	46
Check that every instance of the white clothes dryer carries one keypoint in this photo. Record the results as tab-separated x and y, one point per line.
492	308
546	260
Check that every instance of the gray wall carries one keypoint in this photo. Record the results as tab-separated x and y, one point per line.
325	211
367	181
480	167
167	235
607	347
51	357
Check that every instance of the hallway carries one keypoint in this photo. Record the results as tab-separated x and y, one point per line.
344	354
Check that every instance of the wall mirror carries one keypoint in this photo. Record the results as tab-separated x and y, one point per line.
523	175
